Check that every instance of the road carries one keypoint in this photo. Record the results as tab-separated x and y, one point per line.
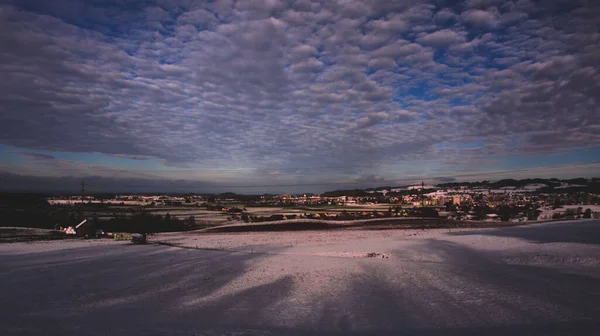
536	279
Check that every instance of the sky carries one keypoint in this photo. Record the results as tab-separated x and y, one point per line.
295	96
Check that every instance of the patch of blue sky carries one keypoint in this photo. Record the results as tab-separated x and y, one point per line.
472	145
439	55
370	71
458	102
582	156
422	91
14	154
97	16
327	60
7	155
103	159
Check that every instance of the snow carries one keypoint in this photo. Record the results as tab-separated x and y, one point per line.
534	279
534	186
547	212
420	187
569	186
437	194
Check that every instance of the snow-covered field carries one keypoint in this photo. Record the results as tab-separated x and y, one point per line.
547	212
294	242
535	279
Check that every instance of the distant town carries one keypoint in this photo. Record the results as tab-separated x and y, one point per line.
505	200
457	202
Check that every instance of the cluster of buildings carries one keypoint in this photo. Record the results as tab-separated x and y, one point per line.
458	202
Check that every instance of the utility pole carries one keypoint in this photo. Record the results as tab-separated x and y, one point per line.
82	189
422	194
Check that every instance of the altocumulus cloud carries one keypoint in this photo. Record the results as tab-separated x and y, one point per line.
284	84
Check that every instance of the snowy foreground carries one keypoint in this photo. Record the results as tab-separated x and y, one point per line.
535	279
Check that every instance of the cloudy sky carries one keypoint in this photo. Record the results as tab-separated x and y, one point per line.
304	95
